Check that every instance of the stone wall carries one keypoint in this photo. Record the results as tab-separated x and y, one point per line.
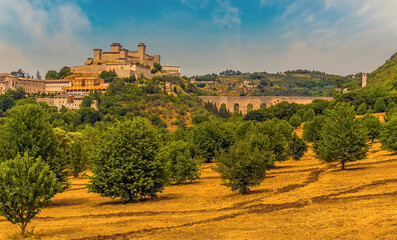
257	102
89	69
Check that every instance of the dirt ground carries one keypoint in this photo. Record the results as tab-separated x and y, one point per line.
303	199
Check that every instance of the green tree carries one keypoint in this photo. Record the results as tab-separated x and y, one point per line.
125	163
388	137
210	137
244	166
182	166
78	159
380	105
295	121
6	102
309	115
27	129
312	129
343	138
362	109
298	147
52	74
372	126
26	185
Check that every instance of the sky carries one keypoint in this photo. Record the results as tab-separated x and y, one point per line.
202	36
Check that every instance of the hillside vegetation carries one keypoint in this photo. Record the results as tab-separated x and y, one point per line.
385	74
289	83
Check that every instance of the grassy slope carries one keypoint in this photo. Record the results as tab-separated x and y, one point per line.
303	199
385	74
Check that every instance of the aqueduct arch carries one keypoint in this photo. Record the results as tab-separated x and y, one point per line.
257	102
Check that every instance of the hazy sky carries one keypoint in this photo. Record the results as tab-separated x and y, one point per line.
202	36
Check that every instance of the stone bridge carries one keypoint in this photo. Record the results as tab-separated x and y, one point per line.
243	104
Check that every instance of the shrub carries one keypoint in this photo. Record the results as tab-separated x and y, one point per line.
309	115
295	121
362	109
298	147
380	105
388	137
244	166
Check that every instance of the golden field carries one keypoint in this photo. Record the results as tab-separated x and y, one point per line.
303	199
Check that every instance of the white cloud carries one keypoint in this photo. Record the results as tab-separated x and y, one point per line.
40	35
226	15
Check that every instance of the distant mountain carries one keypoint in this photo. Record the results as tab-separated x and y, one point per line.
385	74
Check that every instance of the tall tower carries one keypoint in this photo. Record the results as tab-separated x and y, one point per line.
364	80
141	52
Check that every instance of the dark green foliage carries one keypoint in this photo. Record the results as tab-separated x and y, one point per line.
108	76
284	110
298	147
319	105
51	74
181	165
211	137
157	121
244	166
125	163
362	109
26	185
87	102
391	113
199	119
6	102
16	94
343	138
390	106
312	129
309	115
78	158
295	121
260	115
89	115
27	130
388	137
372	126
274	134
380	105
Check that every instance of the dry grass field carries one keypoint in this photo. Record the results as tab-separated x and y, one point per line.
302	199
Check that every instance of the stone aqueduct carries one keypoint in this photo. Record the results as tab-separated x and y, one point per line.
255	103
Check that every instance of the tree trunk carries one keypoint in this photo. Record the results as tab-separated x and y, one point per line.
343	165
23	227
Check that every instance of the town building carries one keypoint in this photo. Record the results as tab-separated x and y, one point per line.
69	101
8	81
85	85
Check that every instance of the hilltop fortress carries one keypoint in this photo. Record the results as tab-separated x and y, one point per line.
125	63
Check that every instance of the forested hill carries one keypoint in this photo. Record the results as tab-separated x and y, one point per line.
289	83
386	74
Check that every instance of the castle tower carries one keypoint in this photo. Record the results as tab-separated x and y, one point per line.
97	55
115	47
141	52
364	80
